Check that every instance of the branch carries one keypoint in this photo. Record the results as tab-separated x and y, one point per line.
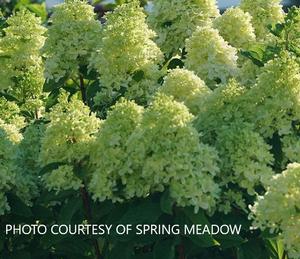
88	212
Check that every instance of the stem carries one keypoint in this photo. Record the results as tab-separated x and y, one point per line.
83	190
82	89
88	212
181	251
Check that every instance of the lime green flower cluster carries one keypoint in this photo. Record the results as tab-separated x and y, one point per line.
224	106
176	20
21	66
291	147
236	28
29	148
264	13
186	87
67	140
109	150
10	113
284	190
160	150
126	57
210	56
245	158
276	104
248	72
71	39
27	165
277	96
7	174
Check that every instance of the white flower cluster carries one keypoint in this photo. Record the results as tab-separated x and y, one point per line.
71	39
186	87
210	56
236	28
176	20
67	140
279	208
152	151
126	57
7	172
264	13
21	65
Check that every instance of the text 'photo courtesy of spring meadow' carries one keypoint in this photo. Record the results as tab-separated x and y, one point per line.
149	129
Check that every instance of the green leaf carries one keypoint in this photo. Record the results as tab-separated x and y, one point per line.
2	240
68	210
146	211
42	213
199	218
21	255
50	167
92	90
254	248
276	247
175	63
138	75
121	250
164	249
277	29
196	218
88	74
18	207
254	57
228	241
166	203
73	246
51	84
39	10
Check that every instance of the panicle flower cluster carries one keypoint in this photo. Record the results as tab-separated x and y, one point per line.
236	28
161	150
165	151
248	72
224	106
126	57
29	149
186	87
176	20
109	150
67	140
21	66
245	158
71	38
291	147
7	174
210	56
264	13
277	96
10	113
27	163
284	189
